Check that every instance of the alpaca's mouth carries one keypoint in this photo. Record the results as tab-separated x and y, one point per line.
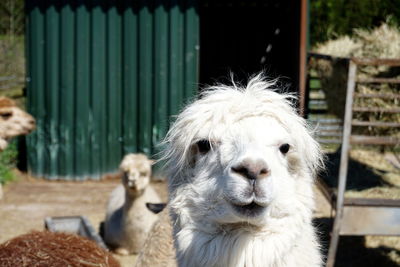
249	210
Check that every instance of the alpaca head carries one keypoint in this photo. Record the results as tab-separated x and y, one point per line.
136	170
13	120
240	156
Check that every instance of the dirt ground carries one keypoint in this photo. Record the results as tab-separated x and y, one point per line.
28	201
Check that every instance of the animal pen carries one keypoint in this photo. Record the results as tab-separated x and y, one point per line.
358	216
104	78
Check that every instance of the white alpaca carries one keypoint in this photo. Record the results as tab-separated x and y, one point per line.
128	220
240	164
158	250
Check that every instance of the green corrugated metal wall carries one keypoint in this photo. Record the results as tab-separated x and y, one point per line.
104	77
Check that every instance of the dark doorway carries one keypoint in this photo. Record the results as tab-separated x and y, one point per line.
246	37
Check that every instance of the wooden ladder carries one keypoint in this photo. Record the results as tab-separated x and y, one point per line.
361	216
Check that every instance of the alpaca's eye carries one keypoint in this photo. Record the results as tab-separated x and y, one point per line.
6	115
204	146
284	148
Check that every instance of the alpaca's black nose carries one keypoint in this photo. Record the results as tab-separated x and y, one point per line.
252	169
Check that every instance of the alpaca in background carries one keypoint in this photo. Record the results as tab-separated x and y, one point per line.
13	121
241	165
127	219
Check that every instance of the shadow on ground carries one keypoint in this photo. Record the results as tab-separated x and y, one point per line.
360	176
352	251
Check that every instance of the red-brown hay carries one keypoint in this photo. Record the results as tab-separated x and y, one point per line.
53	249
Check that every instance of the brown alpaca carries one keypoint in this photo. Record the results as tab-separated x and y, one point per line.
53	249
13	121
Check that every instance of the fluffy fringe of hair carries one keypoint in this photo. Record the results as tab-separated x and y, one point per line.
258	91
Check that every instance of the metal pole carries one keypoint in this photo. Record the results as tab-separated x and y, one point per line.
344	160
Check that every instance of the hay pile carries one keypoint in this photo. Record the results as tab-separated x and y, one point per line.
53	249
381	42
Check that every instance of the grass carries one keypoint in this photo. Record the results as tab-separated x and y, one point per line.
8	160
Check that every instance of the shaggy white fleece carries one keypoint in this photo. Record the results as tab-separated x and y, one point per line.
127	219
240	164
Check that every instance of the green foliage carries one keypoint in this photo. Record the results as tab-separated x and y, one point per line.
12	65
12	17
8	160
332	18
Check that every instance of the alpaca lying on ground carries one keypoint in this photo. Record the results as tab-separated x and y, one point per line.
128	220
240	168
53	249
13	121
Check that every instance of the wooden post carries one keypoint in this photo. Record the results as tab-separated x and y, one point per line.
303	57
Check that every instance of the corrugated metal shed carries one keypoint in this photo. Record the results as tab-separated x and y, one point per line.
104	78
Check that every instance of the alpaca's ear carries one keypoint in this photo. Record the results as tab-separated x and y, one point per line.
125	165
308	147
313	153
152	161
